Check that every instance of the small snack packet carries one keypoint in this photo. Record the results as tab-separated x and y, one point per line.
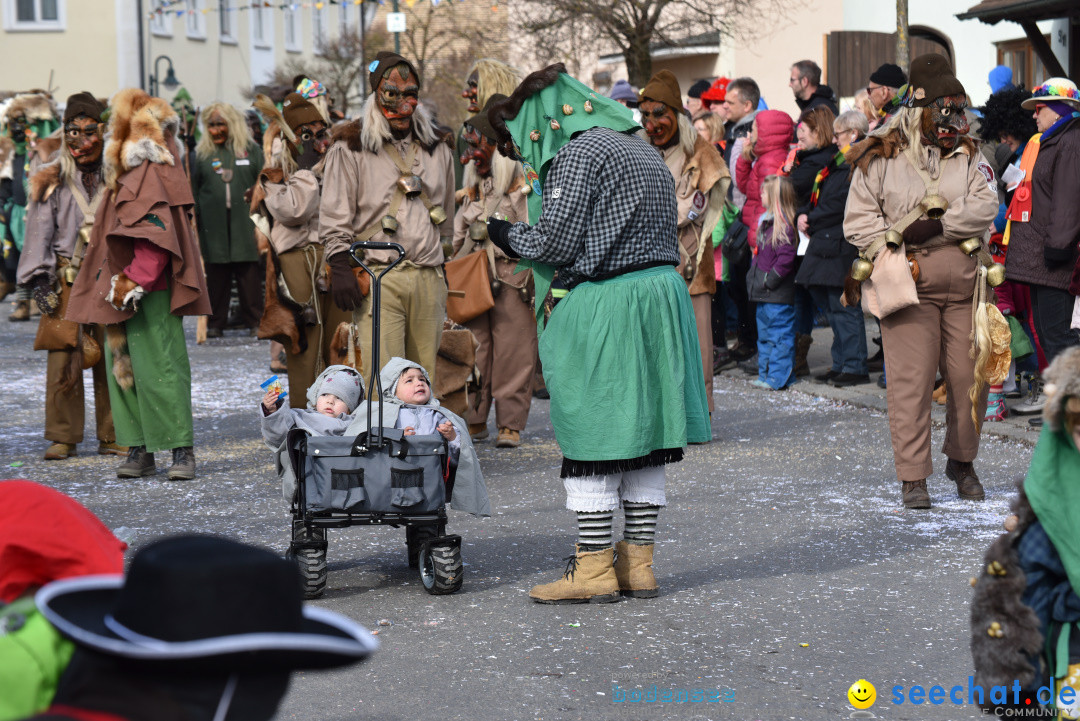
273	384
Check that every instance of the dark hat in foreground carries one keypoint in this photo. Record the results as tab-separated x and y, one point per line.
698	89
383	62
932	77
204	604
663	87
481	122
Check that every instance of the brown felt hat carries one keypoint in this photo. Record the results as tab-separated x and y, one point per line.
297	111
931	77
383	62
663	87
480	120
83	103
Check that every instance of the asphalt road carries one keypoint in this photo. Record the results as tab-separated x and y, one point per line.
787	566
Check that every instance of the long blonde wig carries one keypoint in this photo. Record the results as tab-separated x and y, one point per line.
492	77
239	133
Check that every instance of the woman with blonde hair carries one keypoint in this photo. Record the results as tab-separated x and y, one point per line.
710	126
227	164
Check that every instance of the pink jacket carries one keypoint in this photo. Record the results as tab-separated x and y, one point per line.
774	133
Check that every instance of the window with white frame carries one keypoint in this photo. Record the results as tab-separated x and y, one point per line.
262	26
195	19
318	29
226	21
39	15
291	18
161	17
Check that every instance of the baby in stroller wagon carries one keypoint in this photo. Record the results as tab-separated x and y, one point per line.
407	403
332	398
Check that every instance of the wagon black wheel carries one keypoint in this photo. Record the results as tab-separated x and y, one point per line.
312	562
415	537
440	568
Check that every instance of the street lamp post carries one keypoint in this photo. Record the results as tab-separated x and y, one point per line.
170	82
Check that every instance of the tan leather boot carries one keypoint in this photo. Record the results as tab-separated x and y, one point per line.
589	578
633	569
967	481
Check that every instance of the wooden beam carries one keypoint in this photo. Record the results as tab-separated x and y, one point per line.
1043	50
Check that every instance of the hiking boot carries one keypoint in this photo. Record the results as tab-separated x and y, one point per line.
722	360
215	333
22	311
1035	400
633	569
845	380
803	341
967	483
996	410
60	451
6	289
940	394
478	431
508	438
742	351
876	362
183	464
749	366
110	448
139	463
915	494
826	376
589	578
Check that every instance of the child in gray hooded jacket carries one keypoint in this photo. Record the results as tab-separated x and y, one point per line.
332	398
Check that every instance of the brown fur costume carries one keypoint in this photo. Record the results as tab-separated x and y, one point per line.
137	133
35	105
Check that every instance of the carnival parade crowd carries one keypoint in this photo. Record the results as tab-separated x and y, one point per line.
610	252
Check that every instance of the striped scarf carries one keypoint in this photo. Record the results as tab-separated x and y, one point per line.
819	179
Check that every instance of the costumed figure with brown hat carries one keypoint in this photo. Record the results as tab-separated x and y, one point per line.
919	210
141	275
702	180
486	77
201	628
29	122
298	311
64	198
620	351
1025	611
389	177
494	188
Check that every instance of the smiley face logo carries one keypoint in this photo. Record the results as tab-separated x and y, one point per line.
862	694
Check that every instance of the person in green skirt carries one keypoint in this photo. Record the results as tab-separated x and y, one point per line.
142	273
620	351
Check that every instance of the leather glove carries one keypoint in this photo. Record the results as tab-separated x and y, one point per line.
124	293
499	233
343	286
48	302
921	231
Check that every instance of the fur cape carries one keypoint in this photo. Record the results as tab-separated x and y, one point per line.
36	106
51	175
137	126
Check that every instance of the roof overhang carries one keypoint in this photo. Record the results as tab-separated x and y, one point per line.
994	11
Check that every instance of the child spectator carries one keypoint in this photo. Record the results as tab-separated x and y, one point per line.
332	398
1025	610
407	403
771	284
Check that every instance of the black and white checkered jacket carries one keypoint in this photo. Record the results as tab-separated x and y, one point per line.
608	208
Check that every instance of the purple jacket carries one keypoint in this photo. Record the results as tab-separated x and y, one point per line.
772	273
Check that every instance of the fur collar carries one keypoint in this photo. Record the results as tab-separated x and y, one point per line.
889	145
137	130
349	134
45	181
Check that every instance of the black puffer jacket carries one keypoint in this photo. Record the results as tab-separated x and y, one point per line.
828	257
808	163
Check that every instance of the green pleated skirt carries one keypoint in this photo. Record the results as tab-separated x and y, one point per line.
623	367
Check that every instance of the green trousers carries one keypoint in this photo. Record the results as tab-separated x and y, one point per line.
156	412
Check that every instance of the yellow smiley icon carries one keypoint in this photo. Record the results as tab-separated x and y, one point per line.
862	694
